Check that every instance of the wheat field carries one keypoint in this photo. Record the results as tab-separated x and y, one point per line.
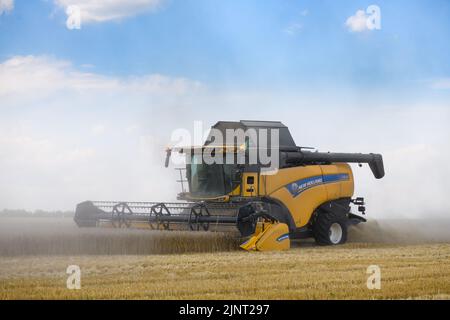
413	266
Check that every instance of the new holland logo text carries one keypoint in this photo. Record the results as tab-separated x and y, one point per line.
297	187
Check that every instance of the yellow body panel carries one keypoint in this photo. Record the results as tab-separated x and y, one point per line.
236	191
303	204
250	184
339	189
271	183
269	237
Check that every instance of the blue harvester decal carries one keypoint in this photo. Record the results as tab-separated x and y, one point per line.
283	237
297	187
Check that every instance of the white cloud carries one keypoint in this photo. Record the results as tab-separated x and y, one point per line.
21	149
132	128
51	158
98	129
68	135
293	28
296	26
357	22
6	6
58	170
108	10
441	84
41	75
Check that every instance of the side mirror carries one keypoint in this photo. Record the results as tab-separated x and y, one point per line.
168	154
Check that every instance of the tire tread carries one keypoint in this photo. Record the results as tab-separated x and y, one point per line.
321	226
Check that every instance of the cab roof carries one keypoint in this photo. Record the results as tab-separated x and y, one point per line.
285	137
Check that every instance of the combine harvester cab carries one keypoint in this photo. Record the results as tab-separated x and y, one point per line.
309	194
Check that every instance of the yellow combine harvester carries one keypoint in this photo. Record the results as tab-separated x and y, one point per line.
309	195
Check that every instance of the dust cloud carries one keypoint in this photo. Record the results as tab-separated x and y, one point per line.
60	236
405	231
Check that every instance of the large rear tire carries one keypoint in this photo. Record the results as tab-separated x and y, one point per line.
330	228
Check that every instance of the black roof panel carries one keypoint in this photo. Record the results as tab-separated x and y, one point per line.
262	124
286	139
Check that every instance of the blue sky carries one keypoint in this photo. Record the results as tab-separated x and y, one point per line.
235	43
81	107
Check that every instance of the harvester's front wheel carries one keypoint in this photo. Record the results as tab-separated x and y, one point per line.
330	228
